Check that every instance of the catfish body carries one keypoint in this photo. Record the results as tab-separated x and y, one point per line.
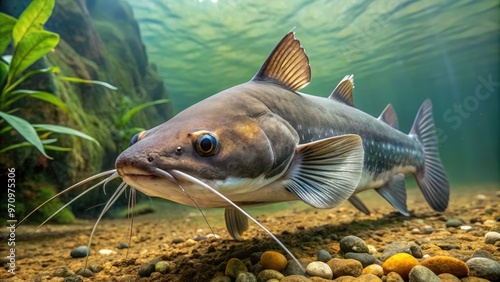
264	142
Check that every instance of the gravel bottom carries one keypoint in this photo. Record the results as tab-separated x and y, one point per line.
383	246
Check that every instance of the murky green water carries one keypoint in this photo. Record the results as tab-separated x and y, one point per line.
401	52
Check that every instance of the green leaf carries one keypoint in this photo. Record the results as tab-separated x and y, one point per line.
125	119
26	130
58	148
6	129
28	144
41	95
81	80
6	25
29	74
33	47
65	130
32	19
4	71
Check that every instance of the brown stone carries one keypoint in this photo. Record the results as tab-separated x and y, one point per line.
443	264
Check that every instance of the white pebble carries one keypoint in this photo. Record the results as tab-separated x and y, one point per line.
211	235
426	256
106	252
319	268
465	227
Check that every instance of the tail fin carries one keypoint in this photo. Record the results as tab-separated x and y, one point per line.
432	178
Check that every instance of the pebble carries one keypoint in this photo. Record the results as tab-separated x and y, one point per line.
324	255
85	272
73	278
445	264
79	252
319	268
374	269
364	258
273	260
246	277
353	244
400	263
219	277
490	222
122	245
146	269
62	271
421	273
394	277
427	229
342	267
296	278
454	222
268	274
481	197
416	251
95	268
372	250
484	268
234	267
491	237
190	242
368	278
482	254
292	268
177	240
446	277
162	267
106	252
255	257
395	248
465	227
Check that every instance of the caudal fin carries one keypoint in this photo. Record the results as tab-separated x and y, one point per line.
431	178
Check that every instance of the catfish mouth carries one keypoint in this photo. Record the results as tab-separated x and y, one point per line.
132	172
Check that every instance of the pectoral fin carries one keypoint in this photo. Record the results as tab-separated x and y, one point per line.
236	223
326	172
357	203
395	193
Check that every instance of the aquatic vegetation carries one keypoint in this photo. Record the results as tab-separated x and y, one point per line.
122	120
30	43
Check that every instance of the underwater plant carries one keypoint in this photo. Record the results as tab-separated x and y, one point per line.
125	114
30	43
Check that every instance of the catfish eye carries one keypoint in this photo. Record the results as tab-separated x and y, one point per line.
136	138
207	145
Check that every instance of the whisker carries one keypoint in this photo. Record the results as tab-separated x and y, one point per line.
119	191
76	198
199	208
131	204
187	177
113	174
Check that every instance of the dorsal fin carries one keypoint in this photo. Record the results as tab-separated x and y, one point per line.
343	91
287	64
389	116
